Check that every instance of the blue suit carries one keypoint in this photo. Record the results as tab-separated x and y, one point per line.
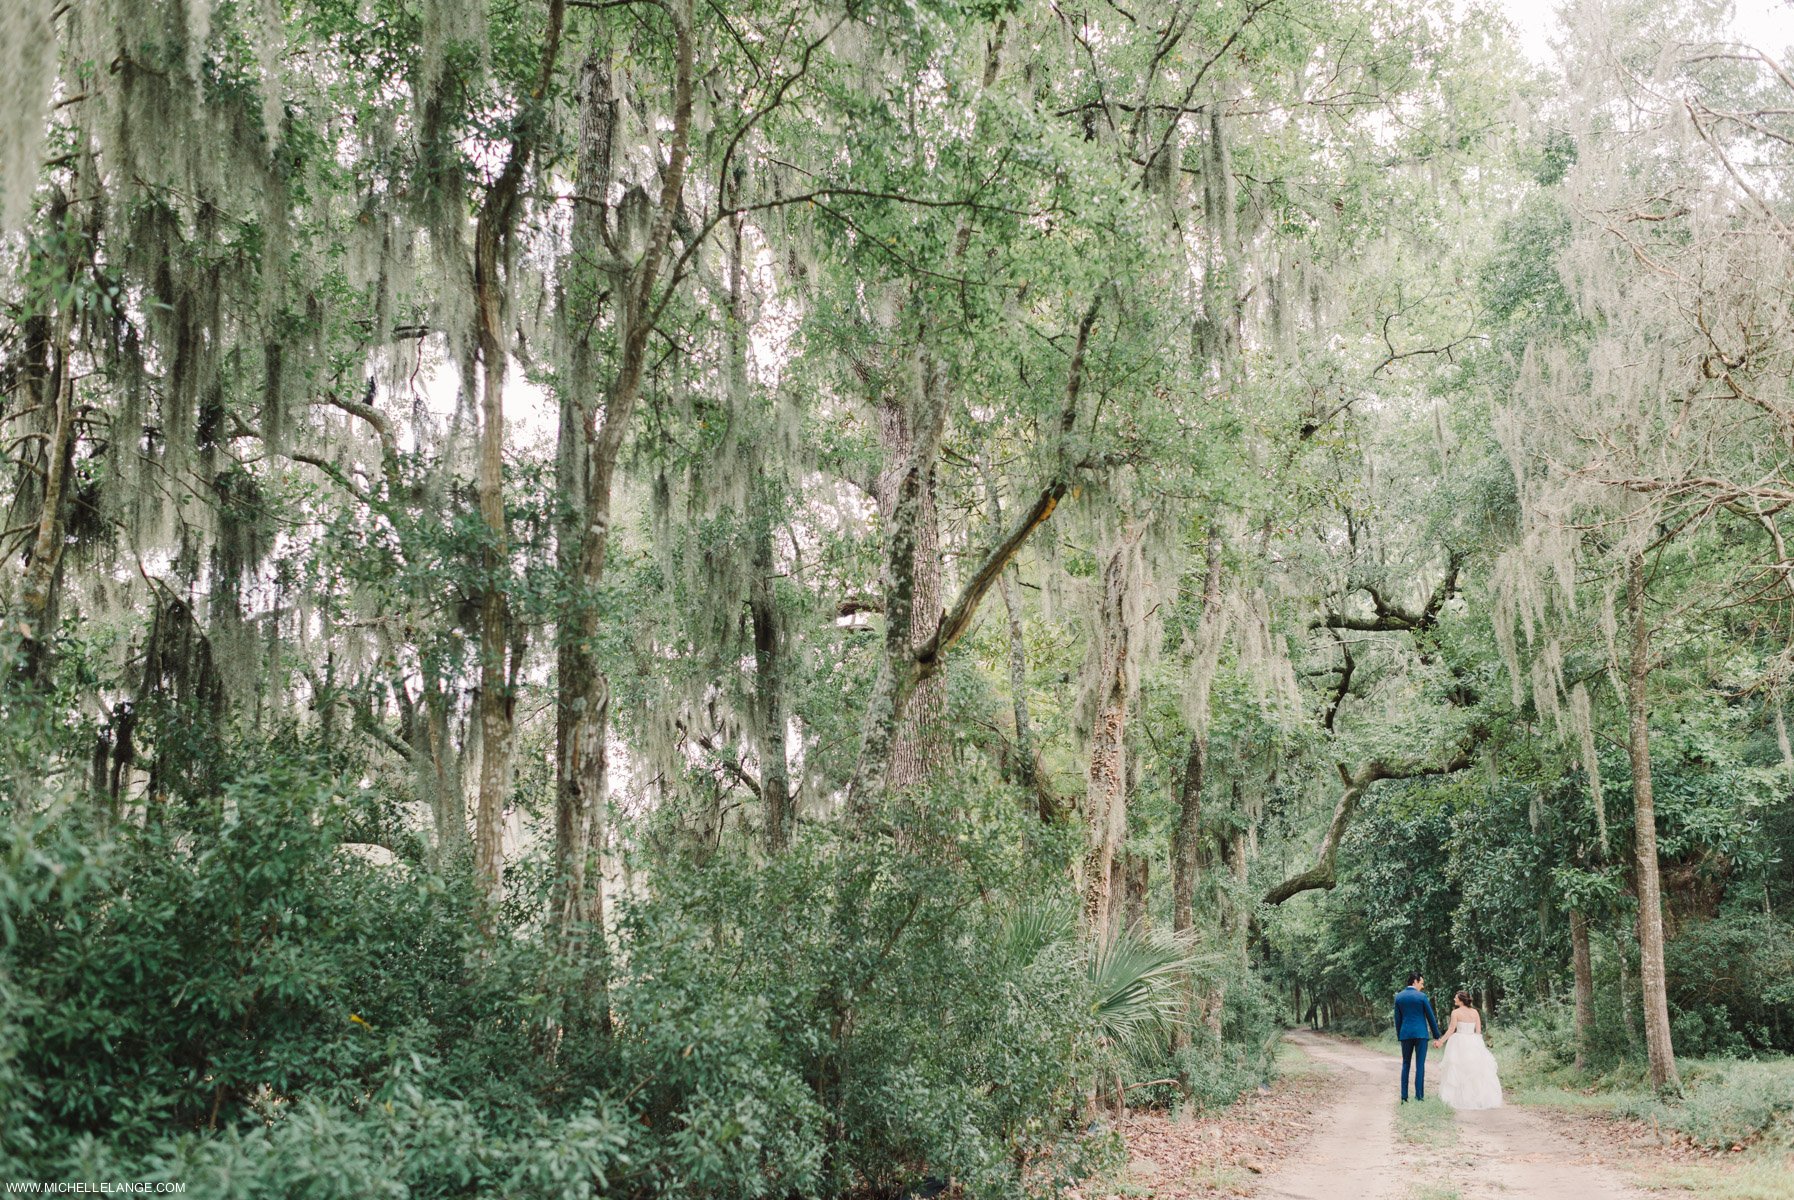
1415	1024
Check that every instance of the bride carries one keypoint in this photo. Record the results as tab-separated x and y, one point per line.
1468	1076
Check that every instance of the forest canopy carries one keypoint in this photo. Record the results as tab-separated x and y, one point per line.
795	597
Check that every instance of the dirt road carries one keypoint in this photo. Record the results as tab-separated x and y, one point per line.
1509	1153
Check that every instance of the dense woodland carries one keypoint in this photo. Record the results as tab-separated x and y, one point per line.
730	598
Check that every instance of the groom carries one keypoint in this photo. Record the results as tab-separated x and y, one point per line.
1414	1024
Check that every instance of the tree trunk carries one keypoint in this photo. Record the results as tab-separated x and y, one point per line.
910	752
1623	951
491	247
1026	770
1113	668
448	803
1658	1047
582	693
769	699
495	705
37	596
892	730
1585	986
919	744
1187	831
49	387
904	665
495	639
1239	914
1136	882
592	437
1024	765
769	668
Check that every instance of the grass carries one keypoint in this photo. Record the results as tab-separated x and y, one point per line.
1288	1060
1761	1177
1223	1178
1724	1103
1433	1191
1426	1123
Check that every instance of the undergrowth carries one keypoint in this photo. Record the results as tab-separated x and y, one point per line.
1724	1102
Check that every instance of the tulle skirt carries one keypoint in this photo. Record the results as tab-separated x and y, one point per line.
1468	1077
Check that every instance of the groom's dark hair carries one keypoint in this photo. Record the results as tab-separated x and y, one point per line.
1414	977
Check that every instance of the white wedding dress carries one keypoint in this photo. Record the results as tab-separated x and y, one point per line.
1468	1077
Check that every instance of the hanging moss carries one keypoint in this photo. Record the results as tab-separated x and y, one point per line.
28	46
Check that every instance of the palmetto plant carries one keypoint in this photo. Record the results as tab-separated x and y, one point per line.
1137	982
1131	983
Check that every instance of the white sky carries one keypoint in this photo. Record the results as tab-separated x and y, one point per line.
1766	24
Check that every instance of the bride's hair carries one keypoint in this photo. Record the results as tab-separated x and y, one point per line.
1464	999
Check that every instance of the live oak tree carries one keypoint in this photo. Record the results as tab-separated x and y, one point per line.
767	510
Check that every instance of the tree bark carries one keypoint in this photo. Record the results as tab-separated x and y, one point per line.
1105	797
1186	833
1585	986
1136	876
49	387
1623	951
1658	1047
904	665
900	497
919	744
1024	766
1026	770
1324	874
1238	913
493	229
439	766
37	596
769	697
592	438
582	693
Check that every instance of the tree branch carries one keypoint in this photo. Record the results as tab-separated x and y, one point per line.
1393	618
958	619
1323	875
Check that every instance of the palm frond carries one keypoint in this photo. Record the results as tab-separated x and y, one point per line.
1030	931
1137	983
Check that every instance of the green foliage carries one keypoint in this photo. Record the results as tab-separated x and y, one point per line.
1218	1070
1731	985
1136	985
1342	316
1726	1103
233	1000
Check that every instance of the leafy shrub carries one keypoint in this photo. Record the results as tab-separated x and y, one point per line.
1218	1072
1547	1031
1731	985
1725	1104
227	968
407	1143
845	1018
226	998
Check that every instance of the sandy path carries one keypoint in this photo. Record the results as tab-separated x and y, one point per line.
1507	1153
